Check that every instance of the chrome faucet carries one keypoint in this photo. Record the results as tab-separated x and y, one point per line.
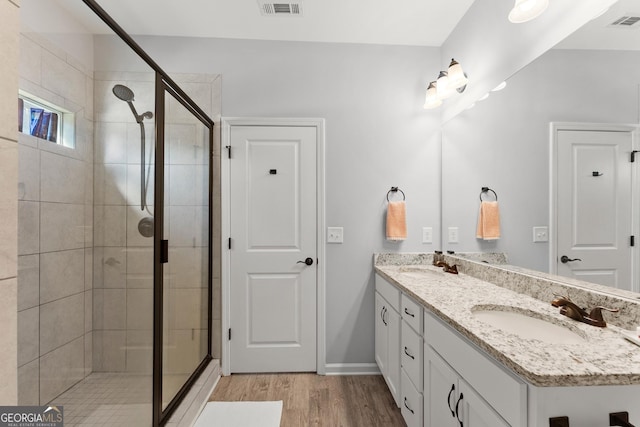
570	309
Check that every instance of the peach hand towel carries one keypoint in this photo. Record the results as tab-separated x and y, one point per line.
396	221
488	221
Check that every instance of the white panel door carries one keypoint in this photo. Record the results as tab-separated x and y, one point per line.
594	206
273	231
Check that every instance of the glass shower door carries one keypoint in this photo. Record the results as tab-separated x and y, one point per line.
186	248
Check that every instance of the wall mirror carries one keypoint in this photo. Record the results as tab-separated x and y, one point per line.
503	142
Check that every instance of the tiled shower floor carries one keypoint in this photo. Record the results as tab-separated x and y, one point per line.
108	399
124	400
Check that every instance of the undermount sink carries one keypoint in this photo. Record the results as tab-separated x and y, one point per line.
528	324
419	272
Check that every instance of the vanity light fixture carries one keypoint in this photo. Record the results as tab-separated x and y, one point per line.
526	10
443	88
457	78
432	100
447	83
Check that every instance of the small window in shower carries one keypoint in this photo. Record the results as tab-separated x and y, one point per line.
44	120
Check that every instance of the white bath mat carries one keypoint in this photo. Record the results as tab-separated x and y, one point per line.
240	414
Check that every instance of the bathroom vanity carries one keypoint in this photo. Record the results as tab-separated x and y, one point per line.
486	348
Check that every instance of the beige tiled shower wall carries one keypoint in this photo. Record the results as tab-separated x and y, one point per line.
55	229
123	259
9	31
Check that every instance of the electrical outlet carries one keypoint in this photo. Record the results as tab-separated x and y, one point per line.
335	234
427	235
540	234
453	234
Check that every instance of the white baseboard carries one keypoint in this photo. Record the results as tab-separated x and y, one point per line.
351	369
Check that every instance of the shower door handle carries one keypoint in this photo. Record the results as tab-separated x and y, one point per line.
164	251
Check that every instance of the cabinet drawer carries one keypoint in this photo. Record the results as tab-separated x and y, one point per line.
411	348
388	292
498	387
410	402
411	311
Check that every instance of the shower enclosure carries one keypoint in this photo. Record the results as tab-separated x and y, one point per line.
115	229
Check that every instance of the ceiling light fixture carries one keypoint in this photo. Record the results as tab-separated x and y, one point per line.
526	10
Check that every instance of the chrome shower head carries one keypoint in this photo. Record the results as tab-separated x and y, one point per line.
123	93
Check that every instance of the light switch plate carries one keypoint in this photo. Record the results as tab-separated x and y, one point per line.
540	234
335	234
427	235
453	234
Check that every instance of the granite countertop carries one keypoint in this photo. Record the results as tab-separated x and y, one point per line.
604	358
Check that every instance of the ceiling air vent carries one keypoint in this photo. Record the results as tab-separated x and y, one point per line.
628	20
280	9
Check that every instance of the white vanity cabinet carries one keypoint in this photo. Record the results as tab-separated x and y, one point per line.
465	388
387	331
450	401
411	362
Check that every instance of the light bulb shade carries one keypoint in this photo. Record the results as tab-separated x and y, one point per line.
526	10
444	90
457	78
432	100
499	87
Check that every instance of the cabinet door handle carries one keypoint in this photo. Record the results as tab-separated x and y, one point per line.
457	413
407	353
384	310
407	406
453	388
382	314
407	313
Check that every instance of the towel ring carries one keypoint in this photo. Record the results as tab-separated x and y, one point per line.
486	190
395	190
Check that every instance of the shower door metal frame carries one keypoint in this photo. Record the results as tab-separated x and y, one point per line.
164	84
160	253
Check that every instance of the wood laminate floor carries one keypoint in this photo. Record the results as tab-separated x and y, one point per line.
315	400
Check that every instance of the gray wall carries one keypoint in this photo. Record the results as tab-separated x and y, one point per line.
377	136
503	143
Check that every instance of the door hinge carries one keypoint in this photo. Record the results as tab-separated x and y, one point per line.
228	147
229	243
632	241
633	155
229	334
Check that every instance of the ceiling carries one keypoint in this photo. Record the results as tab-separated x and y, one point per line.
598	34
402	22
398	22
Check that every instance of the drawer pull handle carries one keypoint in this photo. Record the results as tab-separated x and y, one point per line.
457	413
407	406
407	313
453	388
408	354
